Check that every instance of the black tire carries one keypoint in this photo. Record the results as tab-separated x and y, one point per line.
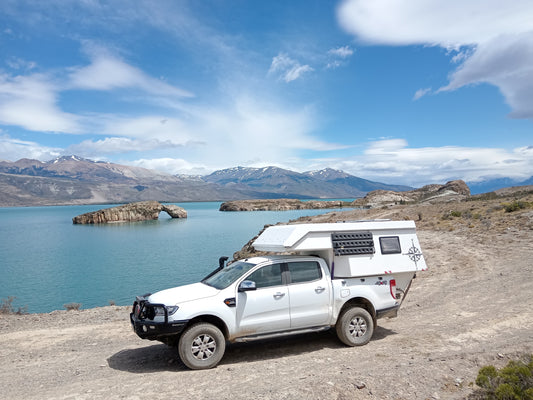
201	346
355	326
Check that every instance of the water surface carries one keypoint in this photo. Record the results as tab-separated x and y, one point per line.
46	261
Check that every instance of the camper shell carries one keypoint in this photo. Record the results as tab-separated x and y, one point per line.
351	249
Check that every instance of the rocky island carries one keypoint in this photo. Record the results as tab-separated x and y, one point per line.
133	212
281	205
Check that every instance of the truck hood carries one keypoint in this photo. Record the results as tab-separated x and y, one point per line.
180	294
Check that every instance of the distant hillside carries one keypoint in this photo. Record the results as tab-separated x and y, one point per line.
341	178
75	180
327	183
496	184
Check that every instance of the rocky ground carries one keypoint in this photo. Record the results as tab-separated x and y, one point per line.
473	307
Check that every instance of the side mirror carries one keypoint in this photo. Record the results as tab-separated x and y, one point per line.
245	286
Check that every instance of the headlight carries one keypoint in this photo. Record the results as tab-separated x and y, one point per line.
172	309
159	311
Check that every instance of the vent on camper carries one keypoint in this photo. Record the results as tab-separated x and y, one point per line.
348	243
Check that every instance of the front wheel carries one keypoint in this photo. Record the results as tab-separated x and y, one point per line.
201	346
355	327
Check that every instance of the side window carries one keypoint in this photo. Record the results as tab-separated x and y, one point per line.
266	276
390	245
304	271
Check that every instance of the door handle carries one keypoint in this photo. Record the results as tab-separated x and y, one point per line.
279	295
320	289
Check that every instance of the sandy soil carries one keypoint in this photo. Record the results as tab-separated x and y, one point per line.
473	307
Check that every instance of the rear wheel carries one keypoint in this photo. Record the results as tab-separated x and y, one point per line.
355	326
201	346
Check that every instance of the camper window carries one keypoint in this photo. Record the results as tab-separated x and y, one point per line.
390	245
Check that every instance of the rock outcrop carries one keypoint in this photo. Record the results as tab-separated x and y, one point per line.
140	211
451	191
280	205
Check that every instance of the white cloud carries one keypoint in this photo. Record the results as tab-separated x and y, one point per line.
338	56
118	145
18	64
287	68
342	52
447	23
421	93
244	132
30	102
498	37
107	72
506	62
172	166
33	101
393	160
14	149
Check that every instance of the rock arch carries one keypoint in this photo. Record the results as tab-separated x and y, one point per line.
132	212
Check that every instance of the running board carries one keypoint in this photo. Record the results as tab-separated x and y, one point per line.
281	334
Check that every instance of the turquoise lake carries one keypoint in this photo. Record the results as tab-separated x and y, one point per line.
46	261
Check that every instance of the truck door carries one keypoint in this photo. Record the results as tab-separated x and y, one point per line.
265	309
309	293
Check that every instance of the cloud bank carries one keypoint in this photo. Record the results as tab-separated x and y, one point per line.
393	160
491	40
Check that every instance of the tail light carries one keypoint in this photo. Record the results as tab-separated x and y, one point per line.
392	285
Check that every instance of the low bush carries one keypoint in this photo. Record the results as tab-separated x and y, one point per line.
512	382
515	205
451	214
6	307
72	306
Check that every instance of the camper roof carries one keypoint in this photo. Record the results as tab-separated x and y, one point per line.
295	237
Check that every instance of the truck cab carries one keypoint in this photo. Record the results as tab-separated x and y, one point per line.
343	276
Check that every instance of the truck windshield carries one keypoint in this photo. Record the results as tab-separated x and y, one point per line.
226	276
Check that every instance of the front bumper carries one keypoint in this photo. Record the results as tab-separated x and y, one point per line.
143	322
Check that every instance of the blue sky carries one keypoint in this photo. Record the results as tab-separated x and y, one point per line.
404	91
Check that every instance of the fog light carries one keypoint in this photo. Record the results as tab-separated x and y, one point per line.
145	329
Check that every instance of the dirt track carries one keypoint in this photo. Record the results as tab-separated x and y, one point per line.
473	307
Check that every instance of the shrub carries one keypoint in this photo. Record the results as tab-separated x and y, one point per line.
452	214
72	306
515	206
514	381
6	307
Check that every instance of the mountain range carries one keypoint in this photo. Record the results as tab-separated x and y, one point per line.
75	180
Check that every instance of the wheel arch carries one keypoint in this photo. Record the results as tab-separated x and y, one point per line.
360	302
212	319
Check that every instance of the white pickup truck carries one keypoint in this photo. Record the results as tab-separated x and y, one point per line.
336	275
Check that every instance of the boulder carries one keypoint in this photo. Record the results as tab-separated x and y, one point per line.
133	212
